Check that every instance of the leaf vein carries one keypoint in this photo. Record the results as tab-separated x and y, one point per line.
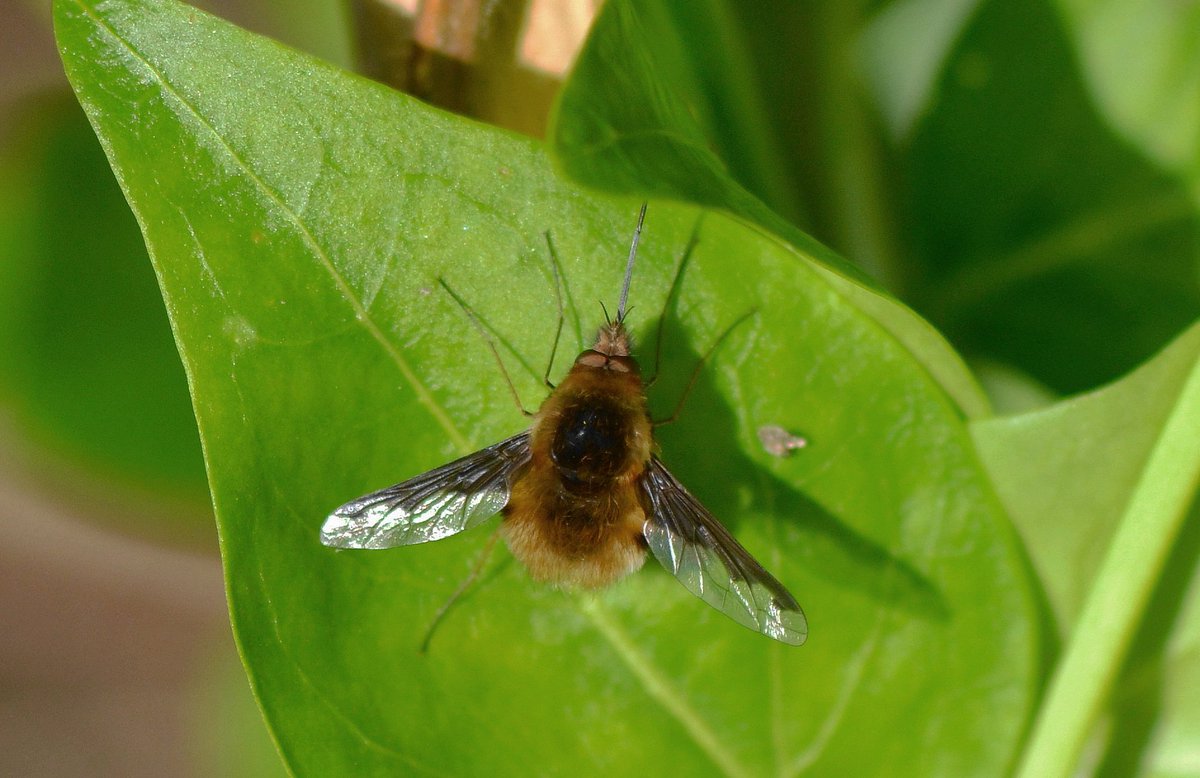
361	314
657	687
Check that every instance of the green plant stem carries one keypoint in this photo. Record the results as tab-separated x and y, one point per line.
1132	567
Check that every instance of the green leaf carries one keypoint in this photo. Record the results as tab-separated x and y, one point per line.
904	48
1079	461
1042	238
1100	486
1153	98
618	128
299	219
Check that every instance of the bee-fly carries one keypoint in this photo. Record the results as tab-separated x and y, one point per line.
583	495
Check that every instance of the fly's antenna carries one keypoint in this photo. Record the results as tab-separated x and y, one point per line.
637	234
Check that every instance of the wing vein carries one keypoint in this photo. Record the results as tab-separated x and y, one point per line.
710	563
433	505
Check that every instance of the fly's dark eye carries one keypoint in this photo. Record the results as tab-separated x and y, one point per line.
589	443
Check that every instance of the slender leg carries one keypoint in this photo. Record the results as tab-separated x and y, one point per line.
699	366
491	343
555	271
672	293
476	569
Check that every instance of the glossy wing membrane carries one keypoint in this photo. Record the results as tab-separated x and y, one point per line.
706	559
433	505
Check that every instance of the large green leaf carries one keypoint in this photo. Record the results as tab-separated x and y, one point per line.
299	219
1097	446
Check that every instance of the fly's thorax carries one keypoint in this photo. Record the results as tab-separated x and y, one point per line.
595	428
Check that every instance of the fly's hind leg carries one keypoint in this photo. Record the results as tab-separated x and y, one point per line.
466	584
700	366
672	294
491	344
556	272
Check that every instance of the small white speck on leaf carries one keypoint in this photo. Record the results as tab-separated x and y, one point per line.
779	442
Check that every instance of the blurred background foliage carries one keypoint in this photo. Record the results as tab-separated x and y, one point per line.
1023	173
117	657
89	367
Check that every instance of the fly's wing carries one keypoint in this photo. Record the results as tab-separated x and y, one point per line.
434	505
701	553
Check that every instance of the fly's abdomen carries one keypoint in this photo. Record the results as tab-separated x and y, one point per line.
586	540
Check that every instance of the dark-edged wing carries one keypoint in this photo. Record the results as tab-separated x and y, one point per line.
433	505
706	559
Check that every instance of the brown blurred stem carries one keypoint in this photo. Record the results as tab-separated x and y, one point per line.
464	55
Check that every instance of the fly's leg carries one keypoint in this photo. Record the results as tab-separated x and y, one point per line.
476	569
